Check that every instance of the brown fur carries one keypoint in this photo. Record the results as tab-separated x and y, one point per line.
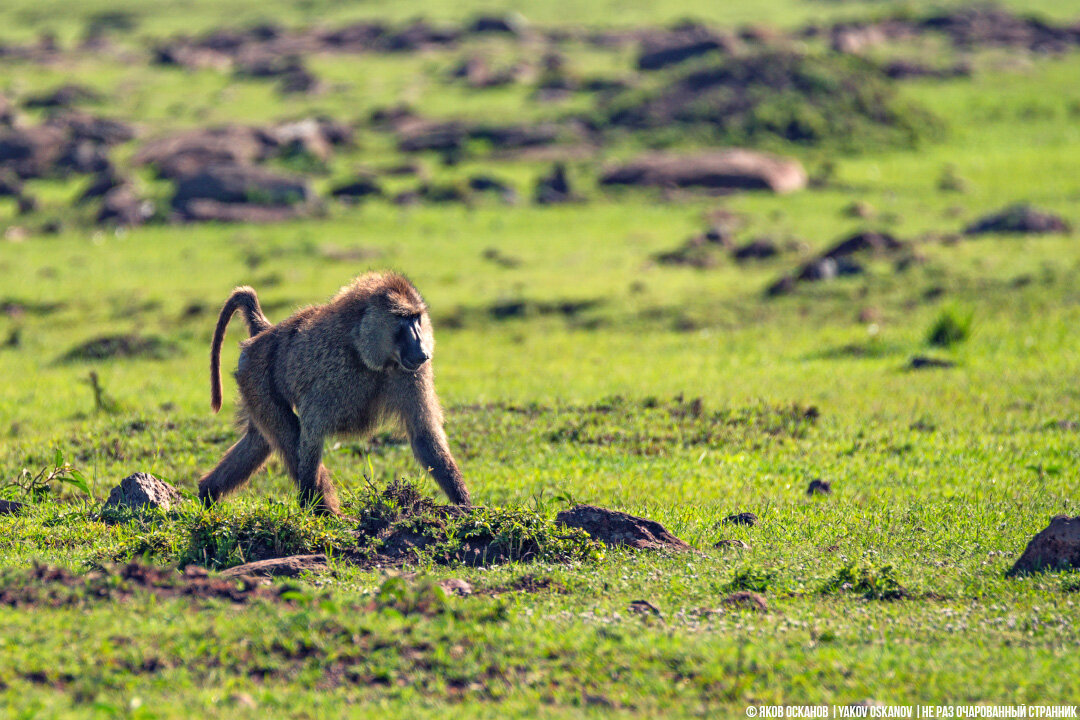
334	368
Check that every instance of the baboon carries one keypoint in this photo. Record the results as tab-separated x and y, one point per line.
342	367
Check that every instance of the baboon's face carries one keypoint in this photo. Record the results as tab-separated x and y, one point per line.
412	342
387	340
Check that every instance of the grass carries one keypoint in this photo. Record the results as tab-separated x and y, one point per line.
679	394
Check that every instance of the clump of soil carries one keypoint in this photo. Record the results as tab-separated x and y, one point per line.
48	586
110	347
835	100
839	260
1019	219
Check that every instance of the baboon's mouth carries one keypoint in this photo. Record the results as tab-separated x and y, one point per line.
411	367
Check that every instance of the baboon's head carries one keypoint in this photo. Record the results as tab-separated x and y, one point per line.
395	331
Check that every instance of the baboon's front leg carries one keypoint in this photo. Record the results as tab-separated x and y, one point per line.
432	451
312	476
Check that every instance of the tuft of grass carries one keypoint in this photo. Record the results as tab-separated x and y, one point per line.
951	327
871	583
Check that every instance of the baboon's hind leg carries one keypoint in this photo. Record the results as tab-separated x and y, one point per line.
239	464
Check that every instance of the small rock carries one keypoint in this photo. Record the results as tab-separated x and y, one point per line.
143	490
747	600
290	566
11	507
618	528
644	607
819	487
743	518
1055	548
920	362
555	187
456	586
732	544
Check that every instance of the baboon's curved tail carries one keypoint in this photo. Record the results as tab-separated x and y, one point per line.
242	298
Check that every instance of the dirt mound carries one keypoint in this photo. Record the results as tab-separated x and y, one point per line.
416	134
1055	548
554	188
290	566
838	261
188	152
867	241
989	25
191	151
55	587
660	49
612	527
121	206
64	96
238	193
110	347
98	130
1019	219
32	152
701	251
732	169
837	100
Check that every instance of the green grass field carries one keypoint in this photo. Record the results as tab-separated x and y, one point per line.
939	476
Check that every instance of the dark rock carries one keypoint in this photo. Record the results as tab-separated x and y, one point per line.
920	362
1055	548
758	249
142	490
554	188
11	507
420	35
875	242
363	186
618	528
744	518
26	204
718	170
300	81
487	183
1019	219
290	566
505	24
819	487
